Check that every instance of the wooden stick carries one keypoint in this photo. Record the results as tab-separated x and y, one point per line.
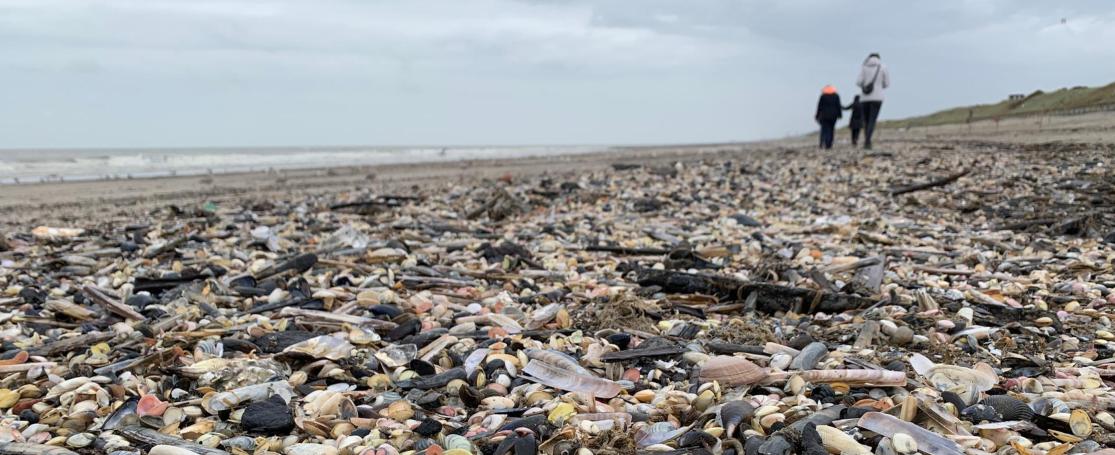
101	298
931	184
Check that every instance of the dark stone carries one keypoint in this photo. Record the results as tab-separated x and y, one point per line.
776	445
275	342
977	413
32	296
824	393
744	220
361	432
428	428
621	340
28	415
140	301
751	446
811	441
800	341
271	416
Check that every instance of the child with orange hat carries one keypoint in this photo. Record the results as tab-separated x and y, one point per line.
829	110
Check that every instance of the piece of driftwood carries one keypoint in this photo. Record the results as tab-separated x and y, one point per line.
65	345
114	305
334	317
627	251
657	351
867	335
930	184
869	277
168	246
146	437
768	297
26	448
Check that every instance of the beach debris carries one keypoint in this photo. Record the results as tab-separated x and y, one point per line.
768	303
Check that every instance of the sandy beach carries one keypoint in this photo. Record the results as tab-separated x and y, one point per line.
948	284
75	200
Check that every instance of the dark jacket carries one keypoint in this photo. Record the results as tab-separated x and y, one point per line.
829	107
856	121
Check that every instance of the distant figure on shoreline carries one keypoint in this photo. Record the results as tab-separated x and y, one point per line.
873	81
829	110
855	122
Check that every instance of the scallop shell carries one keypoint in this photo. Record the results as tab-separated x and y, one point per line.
732	371
1010	408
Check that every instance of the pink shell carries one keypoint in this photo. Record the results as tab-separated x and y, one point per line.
150	405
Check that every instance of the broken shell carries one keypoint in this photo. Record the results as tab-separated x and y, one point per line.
903	443
837	441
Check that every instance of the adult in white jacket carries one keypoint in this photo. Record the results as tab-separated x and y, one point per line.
873	81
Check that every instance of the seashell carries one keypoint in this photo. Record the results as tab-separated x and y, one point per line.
966	382
704	400
498	402
1049	406
322	347
80	440
151	405
809	356
457	442
457	452
657	433
732	371
397	355
837	441
1106	420
780	361
1031	385
560	413
557	359
733	413
570	381
1009	408
644	396
164	449
309	449
400	411
1080	423
769	420
1065	437
8	398
903	443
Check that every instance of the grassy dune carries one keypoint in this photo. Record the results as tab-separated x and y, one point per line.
1038	102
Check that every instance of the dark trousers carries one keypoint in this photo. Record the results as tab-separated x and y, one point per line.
870	114
828	130
855	135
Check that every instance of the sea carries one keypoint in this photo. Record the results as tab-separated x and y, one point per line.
33	166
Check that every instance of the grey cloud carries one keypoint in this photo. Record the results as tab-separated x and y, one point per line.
202	72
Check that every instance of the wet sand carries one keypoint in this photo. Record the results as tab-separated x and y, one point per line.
60	202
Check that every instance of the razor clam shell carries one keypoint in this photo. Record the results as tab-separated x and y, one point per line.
559	378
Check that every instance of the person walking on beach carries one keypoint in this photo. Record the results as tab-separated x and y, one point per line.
873	81
855	122
829	110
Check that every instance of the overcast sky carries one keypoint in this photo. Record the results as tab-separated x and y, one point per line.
135	73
